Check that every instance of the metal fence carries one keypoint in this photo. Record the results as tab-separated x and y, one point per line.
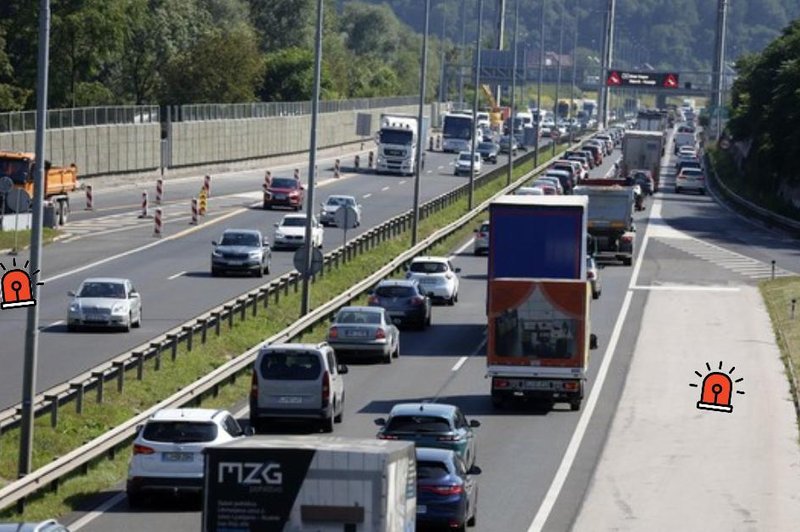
221	111
80	116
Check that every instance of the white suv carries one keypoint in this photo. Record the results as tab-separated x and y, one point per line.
297	381
436	277
291	232
168	450
463	164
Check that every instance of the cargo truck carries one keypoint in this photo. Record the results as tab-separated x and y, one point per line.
651	120
397	143
610	217
642	150
538	299
59	181
310	483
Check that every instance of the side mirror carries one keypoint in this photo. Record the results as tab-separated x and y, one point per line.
214	243
430	294
381	422
458	270
592	341
250	431
134	294
139	428
276	225
71	293
322	205
332	318
342	369
474	423
474	470
265	242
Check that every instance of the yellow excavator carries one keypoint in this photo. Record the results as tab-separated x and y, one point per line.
495	115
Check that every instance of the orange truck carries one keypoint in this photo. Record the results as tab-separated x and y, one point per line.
59	181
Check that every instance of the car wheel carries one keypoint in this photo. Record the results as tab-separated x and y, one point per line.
575	405
396	352
627	261
703	191
71	327
138	320
473	518
327	424
387	358
127	326
267	267
595	295
135	500
340	416
451	300
428	321
214	272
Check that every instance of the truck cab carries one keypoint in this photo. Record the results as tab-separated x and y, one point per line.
397	145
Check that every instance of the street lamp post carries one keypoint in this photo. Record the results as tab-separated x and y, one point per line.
539	85
558	79
475	102
511	136
574	70
420	143
442	80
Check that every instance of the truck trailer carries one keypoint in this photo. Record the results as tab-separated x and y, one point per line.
311	484
59	181
610	217
642	150
538	299
397	143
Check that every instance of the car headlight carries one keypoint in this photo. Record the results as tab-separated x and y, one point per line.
118	308
216	253
278	234
255	254
74	307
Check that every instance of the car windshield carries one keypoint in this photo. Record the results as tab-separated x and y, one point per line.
16	169
110	290
463	156
395	291
485	228
180	431
338	201
284	182
291	366
457	127
423	423
295	221
393	136
240	239
428	469
359	317
485	146
428	267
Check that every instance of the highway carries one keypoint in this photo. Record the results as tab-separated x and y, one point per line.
172	272
538	466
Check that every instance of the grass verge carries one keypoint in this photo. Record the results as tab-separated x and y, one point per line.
778	295
74	430
23	238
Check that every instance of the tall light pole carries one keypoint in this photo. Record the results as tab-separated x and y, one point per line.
462	54
608	54
500	37
539	85
312	163
558	78
475	102
511	135
420	144
443	78
574	70
32	323
718	76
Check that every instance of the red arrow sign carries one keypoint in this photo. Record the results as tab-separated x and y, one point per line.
670	82
614	79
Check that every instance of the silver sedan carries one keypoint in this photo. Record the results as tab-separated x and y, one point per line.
105	302
364	331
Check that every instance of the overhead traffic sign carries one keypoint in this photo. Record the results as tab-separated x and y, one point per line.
613	79
621	78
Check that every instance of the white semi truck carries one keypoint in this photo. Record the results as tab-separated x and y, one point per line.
397	143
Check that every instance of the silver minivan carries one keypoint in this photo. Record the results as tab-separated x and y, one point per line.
297	381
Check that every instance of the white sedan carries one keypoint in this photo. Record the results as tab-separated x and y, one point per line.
291	232
436	276
105	302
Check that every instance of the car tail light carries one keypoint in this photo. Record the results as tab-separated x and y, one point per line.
373	300
501	383
333	332
571	385
590	275
448	276
417	300
254	386
450	489
326	389
380	334
142	449
627	238
387	437
448	438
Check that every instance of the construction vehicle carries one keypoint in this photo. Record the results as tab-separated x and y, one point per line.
495	114
59	181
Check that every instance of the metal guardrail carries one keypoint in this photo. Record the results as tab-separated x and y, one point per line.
108	443
81	116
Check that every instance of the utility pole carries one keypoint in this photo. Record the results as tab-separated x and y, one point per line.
475	103
420	144
574	69
32	323
539	85
499	38
462	54
443	79
511	136
608	54
558	79
718	76
312	164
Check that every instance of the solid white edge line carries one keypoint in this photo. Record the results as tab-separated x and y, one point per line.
171	277
403	182
97	512
365	196
457	365
688	288
550	498
384	189
467	244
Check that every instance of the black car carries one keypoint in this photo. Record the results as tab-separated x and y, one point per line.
488	151
644	179
404	301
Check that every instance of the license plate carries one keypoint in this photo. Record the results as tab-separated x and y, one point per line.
422	509
538	385
95	317
429	281
290	399
359	334
234	263
280	196
396	313
177	457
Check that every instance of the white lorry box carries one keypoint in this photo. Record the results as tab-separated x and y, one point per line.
311	484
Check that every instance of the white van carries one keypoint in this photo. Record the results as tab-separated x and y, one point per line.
684	139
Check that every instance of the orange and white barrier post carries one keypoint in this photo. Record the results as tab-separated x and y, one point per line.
89	198
336	171
357	162
194	212
159	191
144	205
203	200
158	223
371	159
207	185
297	173
267	180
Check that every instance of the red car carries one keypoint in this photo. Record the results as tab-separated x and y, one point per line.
285	192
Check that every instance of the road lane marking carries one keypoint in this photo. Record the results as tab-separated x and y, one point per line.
171	277
460	250
553	492
429	172
97	512
460	363
54	324
384	189
365	196
403	182
688	288
440	167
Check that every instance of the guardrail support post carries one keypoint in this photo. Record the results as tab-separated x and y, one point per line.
120	366
295	282
78	397
189	337
53	400
254	299
157	355
267	292
286	287
173	345
229	310
139	365
217	322
773	271
101	384
203	328
242	308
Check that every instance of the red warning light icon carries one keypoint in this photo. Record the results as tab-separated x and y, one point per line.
613	79
16	287
670	81
716	390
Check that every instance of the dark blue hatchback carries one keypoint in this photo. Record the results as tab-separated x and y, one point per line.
447	493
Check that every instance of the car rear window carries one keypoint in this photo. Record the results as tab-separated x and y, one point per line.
425	424
428	267
395	291
179	431
291	366
428	469
284	182
484	228
348	316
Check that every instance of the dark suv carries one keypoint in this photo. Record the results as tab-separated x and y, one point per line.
404	301
286	192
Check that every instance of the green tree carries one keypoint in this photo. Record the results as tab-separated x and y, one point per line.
12	98
289	76
223	66
284	23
